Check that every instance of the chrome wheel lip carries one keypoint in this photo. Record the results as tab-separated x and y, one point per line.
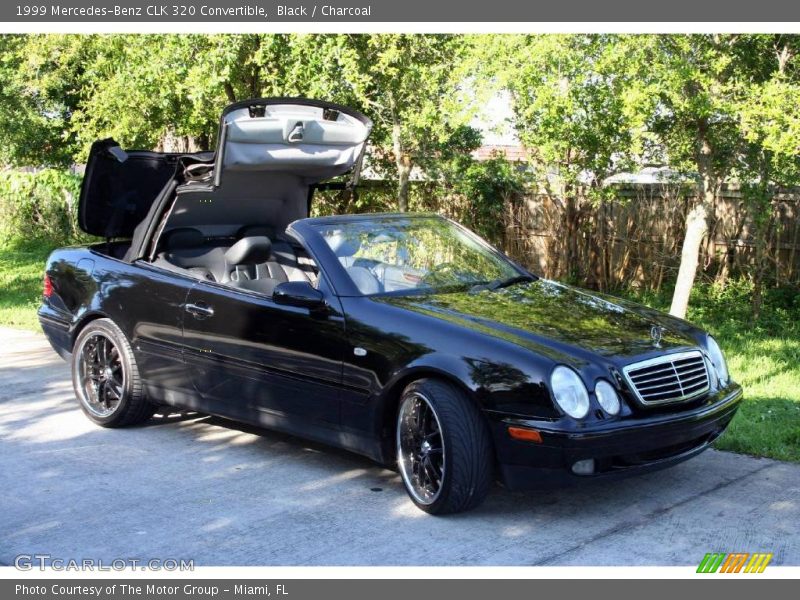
403	463
102	373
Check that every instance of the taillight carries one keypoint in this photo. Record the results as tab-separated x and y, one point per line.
47	287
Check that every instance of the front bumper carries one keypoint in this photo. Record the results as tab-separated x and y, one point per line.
619	448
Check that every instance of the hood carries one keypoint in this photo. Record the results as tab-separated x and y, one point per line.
564	318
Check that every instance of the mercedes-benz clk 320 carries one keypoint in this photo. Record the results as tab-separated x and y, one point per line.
402	337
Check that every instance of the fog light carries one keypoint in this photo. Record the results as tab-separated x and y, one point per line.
583	467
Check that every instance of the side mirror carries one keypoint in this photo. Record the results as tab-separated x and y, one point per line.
298	293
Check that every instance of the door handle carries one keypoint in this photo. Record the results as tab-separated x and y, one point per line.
199	311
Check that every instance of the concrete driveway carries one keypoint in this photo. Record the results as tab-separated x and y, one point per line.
207	489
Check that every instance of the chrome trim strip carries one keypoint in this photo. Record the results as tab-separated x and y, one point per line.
668	359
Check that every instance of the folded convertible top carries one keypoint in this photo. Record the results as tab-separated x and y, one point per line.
283	145
311	139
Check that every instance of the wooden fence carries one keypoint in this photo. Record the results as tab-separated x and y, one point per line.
635	239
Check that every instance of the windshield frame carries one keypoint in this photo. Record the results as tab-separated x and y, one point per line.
308	231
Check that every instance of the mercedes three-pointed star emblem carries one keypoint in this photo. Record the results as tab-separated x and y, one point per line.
656	334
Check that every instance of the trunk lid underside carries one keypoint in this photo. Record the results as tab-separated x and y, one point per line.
269	154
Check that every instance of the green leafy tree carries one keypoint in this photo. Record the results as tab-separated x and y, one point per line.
717	106
690	92
409	86
165	91
569	114
771	130
150	91
35	107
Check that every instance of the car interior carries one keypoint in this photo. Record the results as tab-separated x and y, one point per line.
228	220
254	257
224	218
376	273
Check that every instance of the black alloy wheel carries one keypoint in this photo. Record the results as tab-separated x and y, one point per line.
102	377
106	378
421	453
444	448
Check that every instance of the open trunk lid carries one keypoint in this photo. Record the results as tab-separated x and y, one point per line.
270	154
119	187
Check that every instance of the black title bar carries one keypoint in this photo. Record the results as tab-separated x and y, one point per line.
372	11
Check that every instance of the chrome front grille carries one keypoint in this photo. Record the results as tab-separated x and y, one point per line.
668	378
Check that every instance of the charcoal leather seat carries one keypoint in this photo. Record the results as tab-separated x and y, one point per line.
282	250
345	249
250	264
254	262
185	247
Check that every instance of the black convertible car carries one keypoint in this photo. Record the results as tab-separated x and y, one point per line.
402	337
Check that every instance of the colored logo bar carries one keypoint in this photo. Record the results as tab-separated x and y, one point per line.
735	562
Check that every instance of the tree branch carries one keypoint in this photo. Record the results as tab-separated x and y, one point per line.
229	92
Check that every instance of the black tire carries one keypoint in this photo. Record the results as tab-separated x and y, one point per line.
123	380
467	454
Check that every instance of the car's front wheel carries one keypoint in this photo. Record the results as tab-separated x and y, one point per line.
444	452
106	378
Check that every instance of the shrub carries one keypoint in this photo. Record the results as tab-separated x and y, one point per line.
39	205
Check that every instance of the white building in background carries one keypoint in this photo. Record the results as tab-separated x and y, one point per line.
496	124
650	176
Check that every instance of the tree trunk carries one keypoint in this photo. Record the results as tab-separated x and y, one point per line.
170	142
792	250
403	163
571	227
229	93
697	225
696	228
729	260
765	218
764	240
758	277
403	173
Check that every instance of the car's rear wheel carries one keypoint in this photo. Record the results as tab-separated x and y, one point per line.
444	452
105	377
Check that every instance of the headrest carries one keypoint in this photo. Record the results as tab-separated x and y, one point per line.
183	237
343	246
365	281
256	230
249	251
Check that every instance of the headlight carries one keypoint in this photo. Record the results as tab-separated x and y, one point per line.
715	354
569	392
607	397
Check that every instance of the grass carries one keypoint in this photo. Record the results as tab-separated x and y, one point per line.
21	271
763	355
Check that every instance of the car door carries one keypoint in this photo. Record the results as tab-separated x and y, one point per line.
256	360
118	191
147	303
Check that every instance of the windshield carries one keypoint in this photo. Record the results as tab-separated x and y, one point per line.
397	254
